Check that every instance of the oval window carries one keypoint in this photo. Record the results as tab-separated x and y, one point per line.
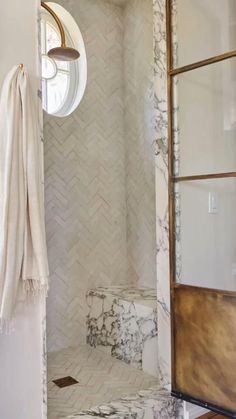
63	83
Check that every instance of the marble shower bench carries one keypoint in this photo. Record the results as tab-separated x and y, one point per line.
153	403
125	321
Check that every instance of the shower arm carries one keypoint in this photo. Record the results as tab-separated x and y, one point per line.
59	24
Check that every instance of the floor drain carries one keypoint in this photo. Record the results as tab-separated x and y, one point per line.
65	382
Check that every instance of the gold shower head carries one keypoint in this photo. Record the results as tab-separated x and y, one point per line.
62	53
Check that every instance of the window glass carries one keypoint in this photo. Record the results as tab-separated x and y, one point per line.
63	83
205	120
203	28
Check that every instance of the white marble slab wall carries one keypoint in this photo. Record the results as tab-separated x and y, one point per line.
162	215
139	139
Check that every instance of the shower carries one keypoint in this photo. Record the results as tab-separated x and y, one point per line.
100	200
62	53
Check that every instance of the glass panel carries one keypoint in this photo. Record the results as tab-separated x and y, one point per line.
43	37
44	94
205	119
57	90
53	37
203	28
63	65
49	68
205	236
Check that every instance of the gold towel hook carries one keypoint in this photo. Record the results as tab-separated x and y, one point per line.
21	66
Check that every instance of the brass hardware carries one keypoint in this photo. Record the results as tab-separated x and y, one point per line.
205	341
59	24
61	53
65	382
202	63
204	177
21	66
213	291
171	200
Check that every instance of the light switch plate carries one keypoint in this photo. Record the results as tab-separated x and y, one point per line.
213	203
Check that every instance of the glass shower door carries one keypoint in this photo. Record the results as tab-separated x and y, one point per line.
202	182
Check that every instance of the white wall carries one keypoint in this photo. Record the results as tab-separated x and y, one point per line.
21	353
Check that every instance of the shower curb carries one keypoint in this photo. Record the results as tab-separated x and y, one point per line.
153	403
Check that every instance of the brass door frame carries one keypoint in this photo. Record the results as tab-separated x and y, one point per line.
172	180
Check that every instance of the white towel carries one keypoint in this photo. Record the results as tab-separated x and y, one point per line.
23	254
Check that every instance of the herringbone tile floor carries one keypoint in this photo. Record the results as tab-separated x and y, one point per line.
101	380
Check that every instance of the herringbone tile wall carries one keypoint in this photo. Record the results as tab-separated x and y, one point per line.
139	140
85	179
99	191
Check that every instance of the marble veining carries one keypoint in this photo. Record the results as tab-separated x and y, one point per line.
146	295
124	319
147	404
161	163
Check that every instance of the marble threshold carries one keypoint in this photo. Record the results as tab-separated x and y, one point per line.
153	403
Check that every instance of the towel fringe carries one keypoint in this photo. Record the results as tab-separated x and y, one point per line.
32	288
35	287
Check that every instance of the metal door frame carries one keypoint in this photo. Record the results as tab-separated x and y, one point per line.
172	180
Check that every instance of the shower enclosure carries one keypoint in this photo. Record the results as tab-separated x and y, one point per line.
100	213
